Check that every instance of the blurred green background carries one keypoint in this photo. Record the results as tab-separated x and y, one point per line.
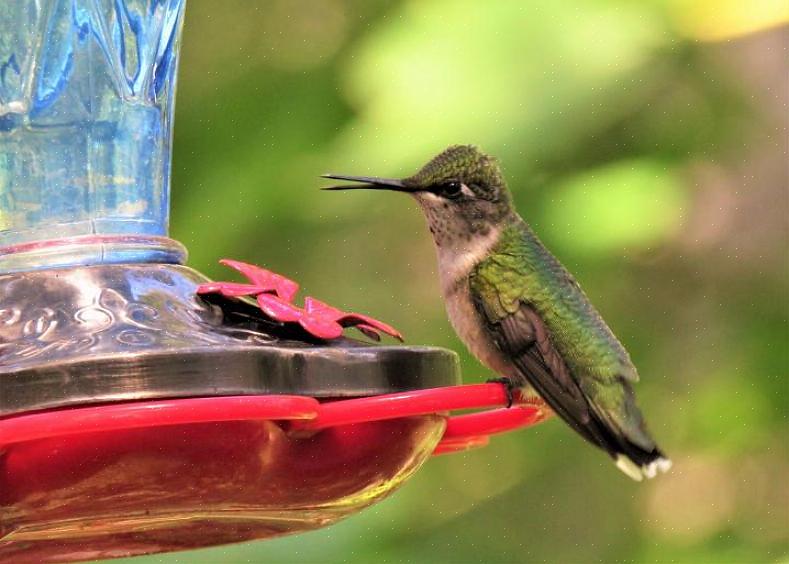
645	142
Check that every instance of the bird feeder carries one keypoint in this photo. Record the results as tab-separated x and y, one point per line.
137	416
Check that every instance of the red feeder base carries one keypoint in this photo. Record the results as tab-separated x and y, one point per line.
145	477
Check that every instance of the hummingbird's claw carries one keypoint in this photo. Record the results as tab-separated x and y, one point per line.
274	294
509	388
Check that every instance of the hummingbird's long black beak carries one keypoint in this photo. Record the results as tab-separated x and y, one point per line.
367	183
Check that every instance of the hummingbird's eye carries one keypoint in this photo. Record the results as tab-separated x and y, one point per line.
452	189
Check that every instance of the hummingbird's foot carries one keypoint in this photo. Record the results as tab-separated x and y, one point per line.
509	388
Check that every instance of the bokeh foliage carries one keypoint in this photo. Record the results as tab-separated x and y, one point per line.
645	142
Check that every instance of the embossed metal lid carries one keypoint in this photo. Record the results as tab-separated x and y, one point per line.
122	332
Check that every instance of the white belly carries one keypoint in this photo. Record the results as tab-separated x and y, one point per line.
455	263
471	330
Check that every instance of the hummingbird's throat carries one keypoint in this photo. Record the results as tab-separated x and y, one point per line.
452	224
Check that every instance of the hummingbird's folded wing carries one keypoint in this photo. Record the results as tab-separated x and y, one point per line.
522	337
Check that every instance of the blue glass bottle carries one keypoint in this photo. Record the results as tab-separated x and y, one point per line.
86	105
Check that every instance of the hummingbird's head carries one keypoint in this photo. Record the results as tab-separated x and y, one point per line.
462	192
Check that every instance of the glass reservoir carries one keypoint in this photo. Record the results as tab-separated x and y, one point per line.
86	106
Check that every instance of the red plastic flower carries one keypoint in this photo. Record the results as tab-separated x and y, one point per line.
275	293
262	280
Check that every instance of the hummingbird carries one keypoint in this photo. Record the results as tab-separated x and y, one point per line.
519	310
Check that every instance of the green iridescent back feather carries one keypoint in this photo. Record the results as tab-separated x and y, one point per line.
521	270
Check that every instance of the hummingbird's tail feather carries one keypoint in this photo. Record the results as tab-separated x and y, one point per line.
638	473
639	458
640	464
635	454
632	459
638	461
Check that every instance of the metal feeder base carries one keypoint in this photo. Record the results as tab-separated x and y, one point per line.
124	332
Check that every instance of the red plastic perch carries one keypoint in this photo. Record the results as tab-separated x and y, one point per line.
462	432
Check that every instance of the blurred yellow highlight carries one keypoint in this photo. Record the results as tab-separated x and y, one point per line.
717	20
